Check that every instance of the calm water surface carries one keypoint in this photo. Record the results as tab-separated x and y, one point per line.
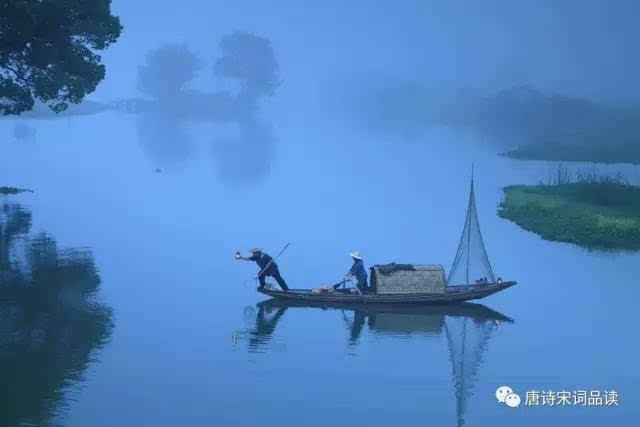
152	322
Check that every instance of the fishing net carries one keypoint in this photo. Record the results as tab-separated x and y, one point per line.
471	262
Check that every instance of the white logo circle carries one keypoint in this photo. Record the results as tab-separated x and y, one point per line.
512	400
502	392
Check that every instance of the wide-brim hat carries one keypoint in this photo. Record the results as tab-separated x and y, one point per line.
256	250
355	255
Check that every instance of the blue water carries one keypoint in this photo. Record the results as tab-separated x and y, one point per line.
190	342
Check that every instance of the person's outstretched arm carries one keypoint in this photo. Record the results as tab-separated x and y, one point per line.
238	257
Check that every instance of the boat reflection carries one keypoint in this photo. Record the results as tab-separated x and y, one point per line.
50	323
468	328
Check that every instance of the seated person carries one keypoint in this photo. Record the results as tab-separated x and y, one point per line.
358	270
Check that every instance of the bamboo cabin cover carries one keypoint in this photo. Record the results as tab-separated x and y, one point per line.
406	279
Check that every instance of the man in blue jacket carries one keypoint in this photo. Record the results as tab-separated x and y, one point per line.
267	265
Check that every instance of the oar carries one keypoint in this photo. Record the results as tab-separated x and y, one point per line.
358	289
337	285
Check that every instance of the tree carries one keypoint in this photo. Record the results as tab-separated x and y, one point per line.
250	59
167	70
47	51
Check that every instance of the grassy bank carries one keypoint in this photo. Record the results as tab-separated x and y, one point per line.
593	211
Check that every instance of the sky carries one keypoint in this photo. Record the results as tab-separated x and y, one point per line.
583	48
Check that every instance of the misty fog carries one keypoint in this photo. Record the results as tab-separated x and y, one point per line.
337	126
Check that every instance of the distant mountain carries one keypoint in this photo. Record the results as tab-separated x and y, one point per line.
527	122
557	127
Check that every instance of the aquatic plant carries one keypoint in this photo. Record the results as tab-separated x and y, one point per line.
596	212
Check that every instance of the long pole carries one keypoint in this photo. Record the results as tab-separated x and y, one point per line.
272	260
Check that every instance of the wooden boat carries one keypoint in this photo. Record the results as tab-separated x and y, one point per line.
419	284
452	294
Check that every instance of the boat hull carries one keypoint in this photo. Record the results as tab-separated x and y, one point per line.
453	294
472	310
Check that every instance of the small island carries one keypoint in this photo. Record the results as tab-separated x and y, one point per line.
593	211
604	153
13	190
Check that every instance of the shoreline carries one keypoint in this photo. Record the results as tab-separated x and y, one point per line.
570	154
603	216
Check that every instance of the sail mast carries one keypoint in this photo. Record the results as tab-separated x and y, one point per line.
471	200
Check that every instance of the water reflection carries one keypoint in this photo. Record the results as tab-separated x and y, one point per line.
266	319
468	329
245	159
165	139
172	107
23	132
50	323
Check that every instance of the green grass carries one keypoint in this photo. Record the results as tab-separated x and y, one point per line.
595	215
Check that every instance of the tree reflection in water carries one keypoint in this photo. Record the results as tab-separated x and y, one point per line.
50	323
172	108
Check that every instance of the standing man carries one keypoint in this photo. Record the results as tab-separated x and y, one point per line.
267	265
358	270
